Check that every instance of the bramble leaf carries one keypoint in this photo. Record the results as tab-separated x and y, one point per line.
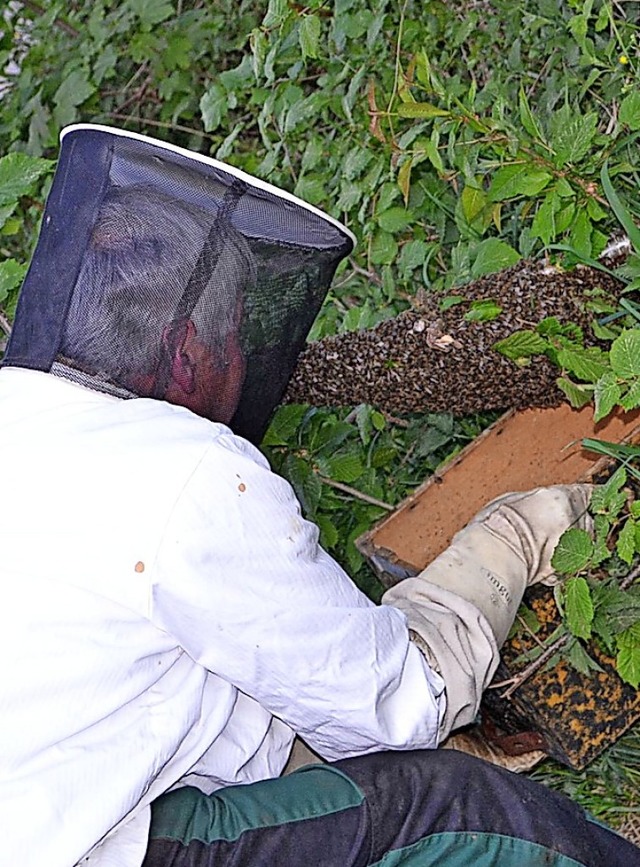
521	344
577	395
483	311
578	607
626	543
18	173
606	395
573	551
625	354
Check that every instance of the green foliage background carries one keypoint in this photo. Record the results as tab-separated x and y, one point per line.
453	139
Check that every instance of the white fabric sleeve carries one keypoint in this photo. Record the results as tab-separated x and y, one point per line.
243	585
457	640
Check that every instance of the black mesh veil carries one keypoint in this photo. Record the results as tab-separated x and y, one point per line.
162	273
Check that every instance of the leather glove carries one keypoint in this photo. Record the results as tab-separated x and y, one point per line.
461	607
507	547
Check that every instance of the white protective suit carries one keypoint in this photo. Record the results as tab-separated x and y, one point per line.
168	617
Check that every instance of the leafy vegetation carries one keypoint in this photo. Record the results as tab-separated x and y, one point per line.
452	139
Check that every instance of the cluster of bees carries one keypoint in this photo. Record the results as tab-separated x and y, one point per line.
434	360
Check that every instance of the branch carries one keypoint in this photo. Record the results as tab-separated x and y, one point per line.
59	22
347	489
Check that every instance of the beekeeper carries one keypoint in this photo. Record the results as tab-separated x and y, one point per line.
169	623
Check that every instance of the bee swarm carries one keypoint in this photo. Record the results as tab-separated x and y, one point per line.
432	360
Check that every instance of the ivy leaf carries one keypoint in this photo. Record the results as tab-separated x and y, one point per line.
606	395
18	173
626	544
578	606
483	311
624	354
573	551
521	344
517	179
493	255
577	395
11	276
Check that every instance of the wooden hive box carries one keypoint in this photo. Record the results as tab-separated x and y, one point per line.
570	716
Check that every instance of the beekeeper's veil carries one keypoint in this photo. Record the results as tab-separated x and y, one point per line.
163	273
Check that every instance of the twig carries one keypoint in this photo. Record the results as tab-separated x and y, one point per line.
147	121
528	629
4	324
516	682
347	489
375	279
59	22
529	670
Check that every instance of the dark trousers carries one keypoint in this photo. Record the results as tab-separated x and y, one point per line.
406	809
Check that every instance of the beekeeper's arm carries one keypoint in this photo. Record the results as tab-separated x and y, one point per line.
461	607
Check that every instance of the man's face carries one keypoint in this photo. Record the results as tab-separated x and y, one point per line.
217	380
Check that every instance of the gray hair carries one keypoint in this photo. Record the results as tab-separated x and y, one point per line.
142	253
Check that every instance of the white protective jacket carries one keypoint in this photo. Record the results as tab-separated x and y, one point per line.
168	618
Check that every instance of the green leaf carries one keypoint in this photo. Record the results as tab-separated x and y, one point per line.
624	354
11	276
580	659
606	395
493	255
580	234
631	398
384	248
345	468
577	395
18	173
626	220
483	311
473	202
284	424
573	135
586	364
521	344
629	112
517	179
544	222
276	13
309	36
74	90
626	543
329	535
213	107
395	219
151	12
573	551
423	110
527	119
628	657
578	606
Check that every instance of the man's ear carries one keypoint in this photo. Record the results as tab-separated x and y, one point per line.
177	340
